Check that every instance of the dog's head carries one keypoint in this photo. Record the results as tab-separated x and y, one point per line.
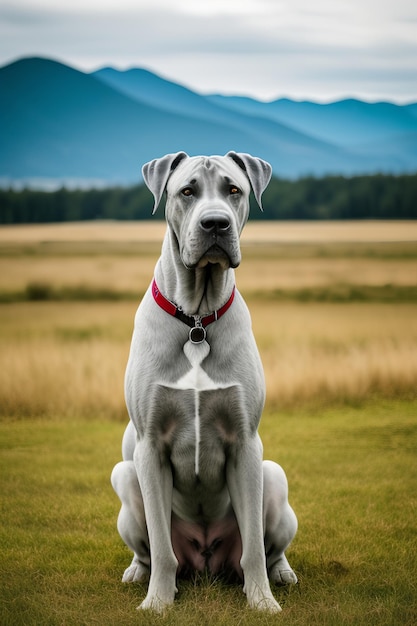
207	202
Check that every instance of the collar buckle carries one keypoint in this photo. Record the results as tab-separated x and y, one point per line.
197	324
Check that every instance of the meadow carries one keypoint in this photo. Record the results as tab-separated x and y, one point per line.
334	309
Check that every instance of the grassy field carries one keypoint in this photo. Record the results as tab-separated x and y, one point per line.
334	310
352	482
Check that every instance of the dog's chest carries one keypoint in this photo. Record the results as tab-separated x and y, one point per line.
197	422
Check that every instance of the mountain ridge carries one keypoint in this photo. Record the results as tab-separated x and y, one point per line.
59	123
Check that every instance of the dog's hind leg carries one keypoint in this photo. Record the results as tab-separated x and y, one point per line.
280	523
131	522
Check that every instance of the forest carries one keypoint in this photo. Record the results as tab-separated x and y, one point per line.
329	198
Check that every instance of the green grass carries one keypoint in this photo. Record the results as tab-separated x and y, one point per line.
353	484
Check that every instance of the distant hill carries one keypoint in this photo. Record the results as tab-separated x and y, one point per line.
58	124
345	123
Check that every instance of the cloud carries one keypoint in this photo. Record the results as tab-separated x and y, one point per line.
264	47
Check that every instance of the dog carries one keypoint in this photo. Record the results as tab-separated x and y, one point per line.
195	492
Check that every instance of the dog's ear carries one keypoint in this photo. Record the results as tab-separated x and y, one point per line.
156	174
258	171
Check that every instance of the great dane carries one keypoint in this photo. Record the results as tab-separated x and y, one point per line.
195	492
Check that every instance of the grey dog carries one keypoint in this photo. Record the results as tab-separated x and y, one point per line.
195	491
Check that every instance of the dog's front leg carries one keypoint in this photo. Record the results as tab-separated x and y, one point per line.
245	483
155	480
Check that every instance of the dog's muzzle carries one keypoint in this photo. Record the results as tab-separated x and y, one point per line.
218	240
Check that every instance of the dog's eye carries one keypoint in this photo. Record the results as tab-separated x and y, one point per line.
233	190
187	191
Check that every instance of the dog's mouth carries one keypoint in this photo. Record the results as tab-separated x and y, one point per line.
216	255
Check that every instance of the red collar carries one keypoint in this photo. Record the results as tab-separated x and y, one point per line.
197	324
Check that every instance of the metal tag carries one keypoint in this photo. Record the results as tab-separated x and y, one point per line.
197	334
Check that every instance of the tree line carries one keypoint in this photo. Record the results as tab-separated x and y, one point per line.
331	197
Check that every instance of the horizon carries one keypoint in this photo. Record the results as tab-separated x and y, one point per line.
232	95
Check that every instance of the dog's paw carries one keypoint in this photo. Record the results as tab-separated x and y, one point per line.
282	574
155	604
259	596
263	602
152	604
136	573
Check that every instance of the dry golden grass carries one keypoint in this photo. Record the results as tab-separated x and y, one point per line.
259	275
68	358
330	231
51	378
120	256
255	231
132	274
112	272
64	359
325	353
126	272
106	231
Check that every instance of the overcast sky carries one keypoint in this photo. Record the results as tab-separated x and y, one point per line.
306	49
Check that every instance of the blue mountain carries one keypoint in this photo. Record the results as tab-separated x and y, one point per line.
344	122
60	124
350	124
290	150
57	122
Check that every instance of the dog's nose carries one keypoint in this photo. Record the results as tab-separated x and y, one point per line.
215	223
